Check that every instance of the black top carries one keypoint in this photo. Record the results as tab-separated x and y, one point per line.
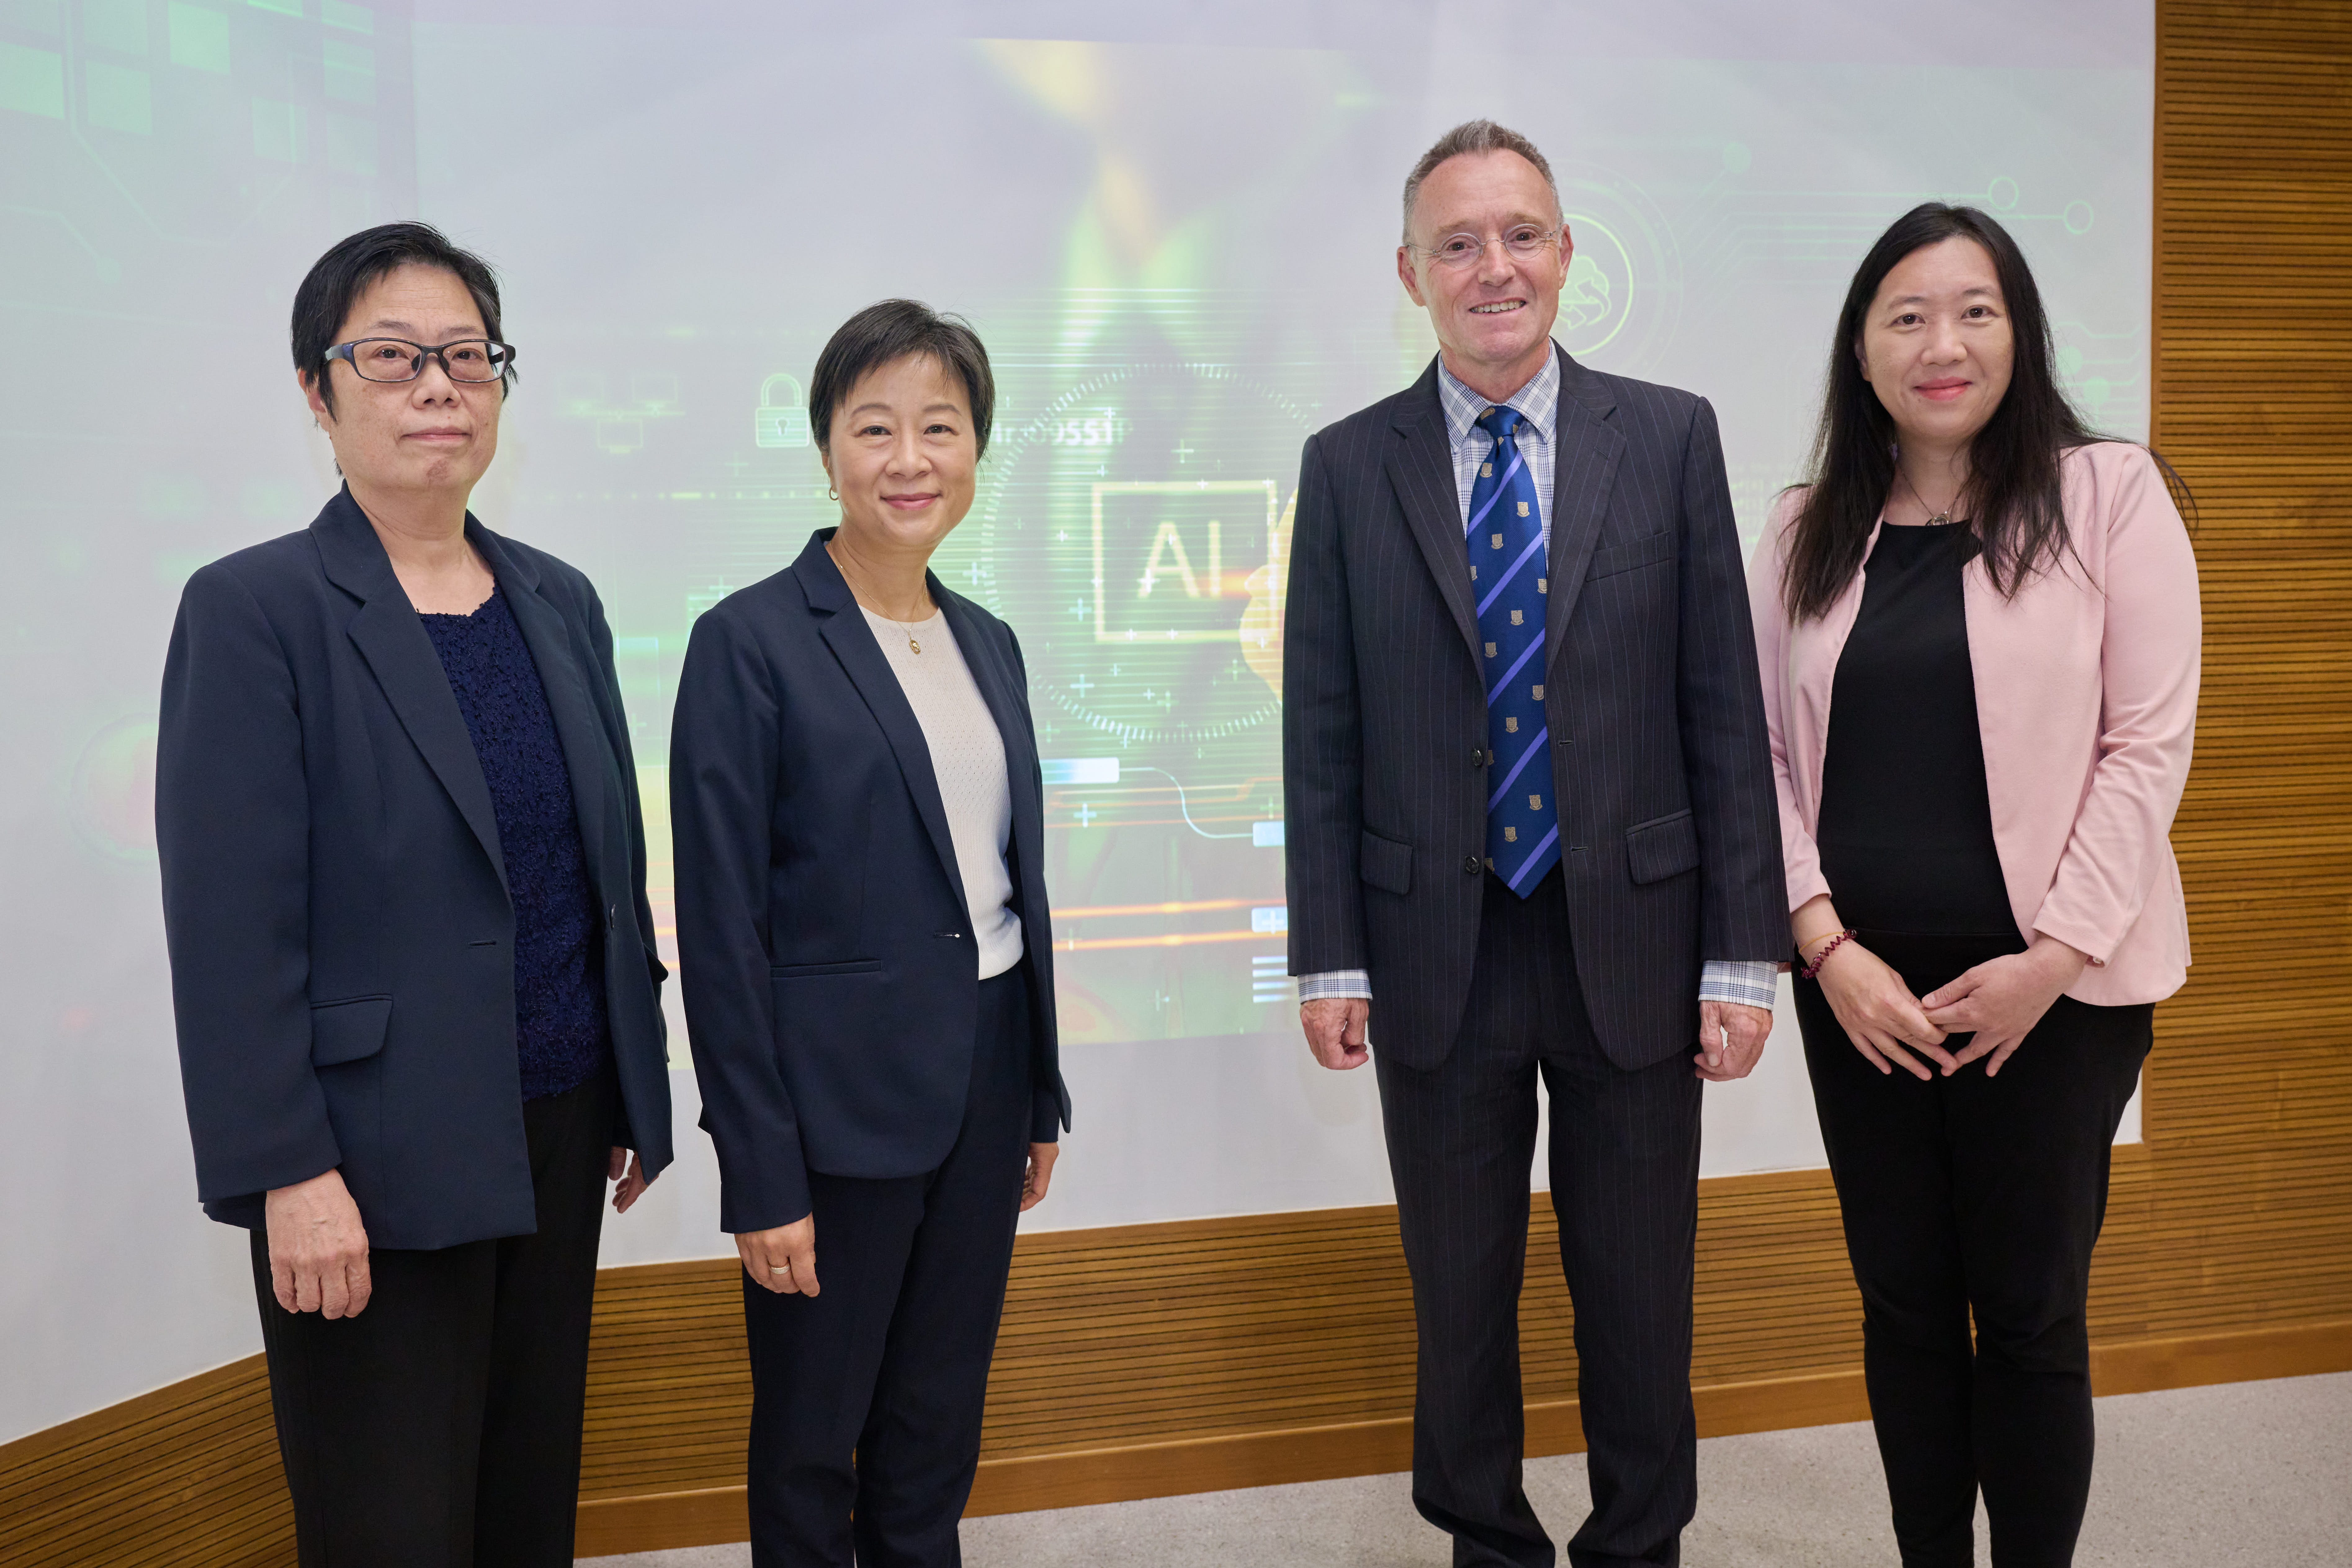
1906	831
560	1040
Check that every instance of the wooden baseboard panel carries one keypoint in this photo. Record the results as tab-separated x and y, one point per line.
1123	1474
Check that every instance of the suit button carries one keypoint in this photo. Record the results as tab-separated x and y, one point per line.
1478	757
1472	864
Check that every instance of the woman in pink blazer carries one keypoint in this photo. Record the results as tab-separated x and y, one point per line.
1977	630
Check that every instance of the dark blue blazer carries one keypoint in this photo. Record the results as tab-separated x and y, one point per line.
334	900
831	984
1670	834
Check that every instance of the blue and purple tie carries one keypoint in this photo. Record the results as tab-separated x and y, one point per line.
1507	575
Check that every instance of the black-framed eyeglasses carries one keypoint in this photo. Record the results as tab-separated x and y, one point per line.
471	360
1523	242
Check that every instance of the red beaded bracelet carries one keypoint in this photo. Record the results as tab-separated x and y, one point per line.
1822	957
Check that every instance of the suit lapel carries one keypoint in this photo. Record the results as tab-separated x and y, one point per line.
1420	467
1584	471
395	644
586	756
1000	688
851	641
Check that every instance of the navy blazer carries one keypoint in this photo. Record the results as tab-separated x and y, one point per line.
334	900
1670	833
832	981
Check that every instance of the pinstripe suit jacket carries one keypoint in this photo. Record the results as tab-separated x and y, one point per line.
1662	774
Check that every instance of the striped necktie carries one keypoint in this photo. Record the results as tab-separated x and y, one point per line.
1508	573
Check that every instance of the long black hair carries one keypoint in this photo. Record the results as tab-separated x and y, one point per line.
2012	492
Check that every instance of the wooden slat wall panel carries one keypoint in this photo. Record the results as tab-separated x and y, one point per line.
1281	1346
2250	1096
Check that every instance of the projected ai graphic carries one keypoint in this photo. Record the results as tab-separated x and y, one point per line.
1180	257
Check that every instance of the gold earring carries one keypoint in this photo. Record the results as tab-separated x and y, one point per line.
832	494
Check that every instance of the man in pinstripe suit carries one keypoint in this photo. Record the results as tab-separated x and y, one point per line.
1530	809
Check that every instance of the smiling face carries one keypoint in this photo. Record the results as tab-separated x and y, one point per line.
1937	344
1493	316
904	456
429	435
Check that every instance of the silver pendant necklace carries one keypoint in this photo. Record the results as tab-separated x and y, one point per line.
1938	519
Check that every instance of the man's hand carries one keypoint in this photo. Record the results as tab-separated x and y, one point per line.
782	1259
629	1170
318	1247
1335	1029
1040	1174
2002	998
1731	1037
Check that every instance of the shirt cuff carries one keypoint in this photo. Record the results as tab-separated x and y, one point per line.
1333	983
1750	984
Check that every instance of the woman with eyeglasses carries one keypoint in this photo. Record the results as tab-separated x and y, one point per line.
1977	630
412	962
859	819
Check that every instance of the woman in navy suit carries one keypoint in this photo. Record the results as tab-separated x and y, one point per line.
868	957
413	966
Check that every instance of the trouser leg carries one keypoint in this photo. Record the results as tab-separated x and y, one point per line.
814	1360
380	1417
1889	1156
919	1449
528	1493
1624	1185
1461	1140
2031	1150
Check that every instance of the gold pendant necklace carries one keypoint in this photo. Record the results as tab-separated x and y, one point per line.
913	645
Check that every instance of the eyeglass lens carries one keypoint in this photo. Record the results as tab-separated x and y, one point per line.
390	359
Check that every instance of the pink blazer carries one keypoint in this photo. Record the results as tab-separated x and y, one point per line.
2086	696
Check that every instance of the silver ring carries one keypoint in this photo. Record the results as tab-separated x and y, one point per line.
780	1269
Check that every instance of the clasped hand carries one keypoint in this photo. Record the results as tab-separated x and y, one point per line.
1999	1001
2002	998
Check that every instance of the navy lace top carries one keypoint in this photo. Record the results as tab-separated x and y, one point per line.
560	1027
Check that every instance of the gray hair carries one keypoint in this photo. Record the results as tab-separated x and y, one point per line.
1474	136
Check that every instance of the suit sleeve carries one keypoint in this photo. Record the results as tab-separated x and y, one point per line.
600	643
1726	751
1801	857
1044	1098
1322	738
723	787
232	829
2148	654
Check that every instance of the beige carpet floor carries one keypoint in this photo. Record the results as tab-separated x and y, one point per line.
2195	1478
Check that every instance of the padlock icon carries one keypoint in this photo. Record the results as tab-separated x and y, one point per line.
782	418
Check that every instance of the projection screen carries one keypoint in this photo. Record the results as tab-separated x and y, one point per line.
1174	226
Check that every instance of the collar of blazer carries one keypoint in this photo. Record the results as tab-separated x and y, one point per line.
1587	445
862	659
397	649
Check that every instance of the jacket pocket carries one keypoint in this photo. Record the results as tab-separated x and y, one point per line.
1641	552
348	1031
1661	848
1385	863
795	971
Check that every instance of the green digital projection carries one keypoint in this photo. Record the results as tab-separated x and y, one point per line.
1133	514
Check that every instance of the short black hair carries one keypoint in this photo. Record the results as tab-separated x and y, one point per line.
350	266
890	330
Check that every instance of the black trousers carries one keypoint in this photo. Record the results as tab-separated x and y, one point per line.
440	1428
1976	1198
1624	1183
867	1397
